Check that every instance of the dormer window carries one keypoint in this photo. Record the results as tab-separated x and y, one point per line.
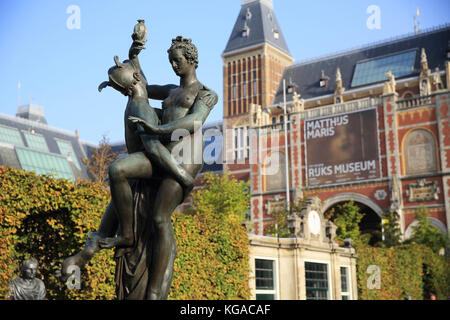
245	30
276	34
323	80
291	88
248	15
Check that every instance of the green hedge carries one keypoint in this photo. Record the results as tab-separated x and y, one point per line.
406	271
49	219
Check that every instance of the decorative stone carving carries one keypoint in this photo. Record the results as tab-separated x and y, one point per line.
424	63
380	194
422	191
310	224
389	86
298	194
276	205
424	77
420	152
265	118
338	97
255	115
396	193
298	104
437	81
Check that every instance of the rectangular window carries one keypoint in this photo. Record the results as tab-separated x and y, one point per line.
316	276
265	279
345	290
241	143
11	136
65	147
36	141
234	92
374	70
44	163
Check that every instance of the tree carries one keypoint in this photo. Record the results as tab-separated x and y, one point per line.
213	246
391	229
97	164
426	234
347	221
280	227
223	196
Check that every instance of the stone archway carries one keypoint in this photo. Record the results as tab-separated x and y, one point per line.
371	222
343	197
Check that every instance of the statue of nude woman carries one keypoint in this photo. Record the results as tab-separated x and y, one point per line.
184	106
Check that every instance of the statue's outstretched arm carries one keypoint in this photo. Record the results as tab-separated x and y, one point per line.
205	101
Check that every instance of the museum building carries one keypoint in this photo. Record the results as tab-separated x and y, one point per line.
370	124
27	142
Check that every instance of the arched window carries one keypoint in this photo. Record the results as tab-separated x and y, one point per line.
275	171
407	95
420	152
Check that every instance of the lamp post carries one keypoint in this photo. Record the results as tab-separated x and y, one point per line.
286	147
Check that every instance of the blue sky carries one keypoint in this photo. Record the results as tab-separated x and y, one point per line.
60	68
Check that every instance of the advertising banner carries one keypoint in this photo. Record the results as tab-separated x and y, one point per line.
342	148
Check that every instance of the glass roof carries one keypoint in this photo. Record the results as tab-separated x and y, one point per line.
66	149
374	70
11	136
44	163
36	141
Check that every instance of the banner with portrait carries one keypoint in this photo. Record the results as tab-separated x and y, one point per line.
342	148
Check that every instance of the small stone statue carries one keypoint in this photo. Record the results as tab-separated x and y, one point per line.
27	286
389	86
437	79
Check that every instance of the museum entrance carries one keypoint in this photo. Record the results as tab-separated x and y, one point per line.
370	223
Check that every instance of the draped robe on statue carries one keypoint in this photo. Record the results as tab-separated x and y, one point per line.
133	264
20	289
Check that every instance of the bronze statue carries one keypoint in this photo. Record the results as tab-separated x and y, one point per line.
147	185
27	286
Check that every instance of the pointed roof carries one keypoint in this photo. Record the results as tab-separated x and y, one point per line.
256	24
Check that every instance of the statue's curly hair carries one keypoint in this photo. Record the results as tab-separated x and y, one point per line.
190	51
